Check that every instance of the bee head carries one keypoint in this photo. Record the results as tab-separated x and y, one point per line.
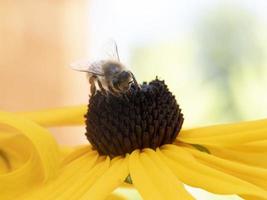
122	81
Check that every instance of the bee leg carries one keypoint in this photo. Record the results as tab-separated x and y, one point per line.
101	86
92	85
134	80
112	91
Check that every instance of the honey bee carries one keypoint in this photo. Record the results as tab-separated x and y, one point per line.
110	74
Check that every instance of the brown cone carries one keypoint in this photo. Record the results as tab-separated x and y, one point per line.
143	118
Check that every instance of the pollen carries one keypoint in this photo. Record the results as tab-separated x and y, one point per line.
146	117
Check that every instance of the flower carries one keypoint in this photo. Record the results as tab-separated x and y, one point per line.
222	159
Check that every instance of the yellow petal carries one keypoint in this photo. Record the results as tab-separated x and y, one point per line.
248	197
223	129
4	162
159	171
153	179
32	154
65	151
74	180
76	153
115	197
251	174
109	181
252	147
226	135
258	159
142	182
84	182
41	139
197	174
65	116
227	139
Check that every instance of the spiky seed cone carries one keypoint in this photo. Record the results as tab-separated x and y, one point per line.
143	118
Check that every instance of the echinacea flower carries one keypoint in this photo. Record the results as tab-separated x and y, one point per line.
134	139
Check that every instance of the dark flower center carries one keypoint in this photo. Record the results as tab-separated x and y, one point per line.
142	118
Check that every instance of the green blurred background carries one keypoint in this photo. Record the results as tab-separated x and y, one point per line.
218	72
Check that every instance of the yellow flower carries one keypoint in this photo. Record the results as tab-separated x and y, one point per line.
222	159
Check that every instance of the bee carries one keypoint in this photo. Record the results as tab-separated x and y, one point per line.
110	74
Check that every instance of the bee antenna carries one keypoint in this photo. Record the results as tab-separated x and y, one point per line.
117	52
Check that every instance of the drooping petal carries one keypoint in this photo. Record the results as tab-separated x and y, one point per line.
251	174
227	134
154	180
109	181
33	166
30	154
66	116
197	174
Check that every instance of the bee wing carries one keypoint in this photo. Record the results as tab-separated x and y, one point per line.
110	51
89	67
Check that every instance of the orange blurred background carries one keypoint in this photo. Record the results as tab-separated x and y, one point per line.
38	40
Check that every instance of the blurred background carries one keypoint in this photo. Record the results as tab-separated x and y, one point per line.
211	53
